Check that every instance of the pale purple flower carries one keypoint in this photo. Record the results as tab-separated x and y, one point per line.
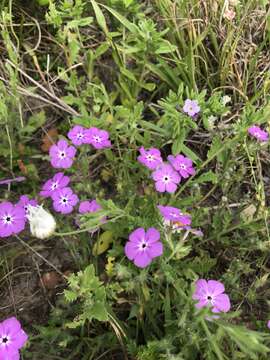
211	293
89	206
268	324
64	200
59	181
258	133
150	158
9	181
143	247
166	178
78	135
191	107
12	219
12	339
62	155
174	214
24	202
182	164
98	138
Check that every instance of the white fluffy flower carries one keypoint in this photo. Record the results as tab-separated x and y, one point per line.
42	223
225	100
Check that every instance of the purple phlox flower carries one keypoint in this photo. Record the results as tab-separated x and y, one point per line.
143	247
178	227
166	178
174	214
9	181
78	135
12	219
59	181
191	107
89	206
258	133
64	200
150	158
182	164
62	155
268	324
25	202
98	138
12	339
211	293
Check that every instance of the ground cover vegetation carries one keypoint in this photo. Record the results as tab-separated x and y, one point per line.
134	179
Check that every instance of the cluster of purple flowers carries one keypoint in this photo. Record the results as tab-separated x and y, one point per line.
167	175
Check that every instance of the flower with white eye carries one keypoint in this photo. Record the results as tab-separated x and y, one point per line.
42	223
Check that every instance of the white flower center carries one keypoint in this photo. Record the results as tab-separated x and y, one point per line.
183	166
7	219
143	245
54	185
4	340
80	136
166	179
173	215
150	157
97	139
62	154
64	200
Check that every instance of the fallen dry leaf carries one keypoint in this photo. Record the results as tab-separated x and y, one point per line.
49	139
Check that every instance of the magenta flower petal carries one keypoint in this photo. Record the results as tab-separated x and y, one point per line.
215	287
160	186
155	249
152	235
171	187
258	133
131	250
221	303
268	324
142	259
202	303
137	235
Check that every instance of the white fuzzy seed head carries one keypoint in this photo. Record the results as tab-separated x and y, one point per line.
42	223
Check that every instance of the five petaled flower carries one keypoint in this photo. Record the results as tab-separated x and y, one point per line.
12	219
211	293
258	133
12	339
24	202
59	181
143	247
78	135
174	214
87	206
150	158
166	178
62	154
64	200
191	107
182	164
99	139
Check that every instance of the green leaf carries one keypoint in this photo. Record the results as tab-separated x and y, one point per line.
209	176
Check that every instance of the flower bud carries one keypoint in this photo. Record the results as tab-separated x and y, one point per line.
42	223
